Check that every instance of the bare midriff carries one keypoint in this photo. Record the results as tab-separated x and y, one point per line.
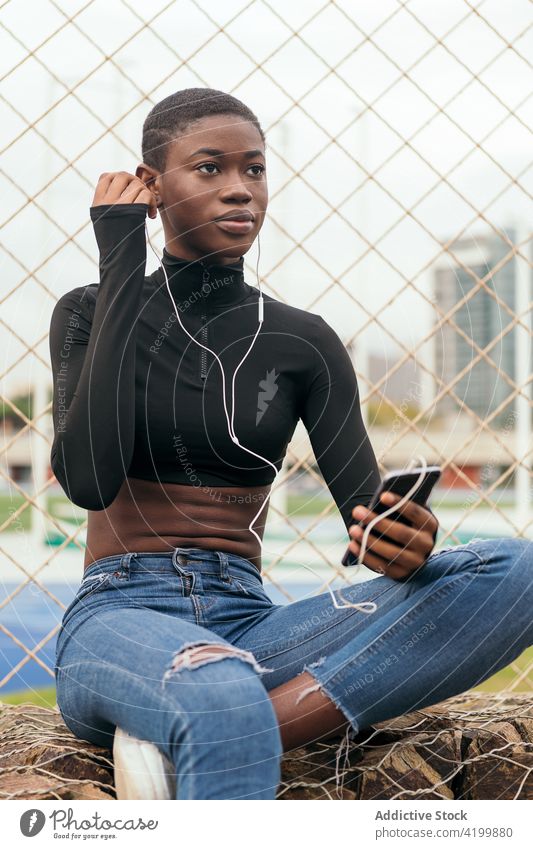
150	516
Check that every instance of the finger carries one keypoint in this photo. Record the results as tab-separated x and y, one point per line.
391	527
421	539
384	567
121	180
372	560
105	178
418	515
420	542
390	552
147	196
132	190
104	181
114	190
138	192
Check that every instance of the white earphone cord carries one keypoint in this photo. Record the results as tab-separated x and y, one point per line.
364	606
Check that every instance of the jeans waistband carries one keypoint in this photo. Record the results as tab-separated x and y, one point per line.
178	560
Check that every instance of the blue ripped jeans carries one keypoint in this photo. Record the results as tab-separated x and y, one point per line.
128	652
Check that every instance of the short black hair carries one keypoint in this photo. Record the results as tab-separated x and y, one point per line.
174	114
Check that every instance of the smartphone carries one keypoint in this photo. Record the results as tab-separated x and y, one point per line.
400	482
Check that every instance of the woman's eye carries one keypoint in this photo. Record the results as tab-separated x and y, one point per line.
214	165
207	165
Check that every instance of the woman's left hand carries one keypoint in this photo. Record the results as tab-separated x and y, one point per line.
412	545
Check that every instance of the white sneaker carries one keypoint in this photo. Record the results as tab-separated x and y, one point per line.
142	771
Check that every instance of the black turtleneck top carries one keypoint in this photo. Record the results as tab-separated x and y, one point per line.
135	396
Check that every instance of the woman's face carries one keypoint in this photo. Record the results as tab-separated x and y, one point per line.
197	188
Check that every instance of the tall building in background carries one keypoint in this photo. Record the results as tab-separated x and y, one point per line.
482	387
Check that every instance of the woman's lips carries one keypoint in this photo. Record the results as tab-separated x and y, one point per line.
232	226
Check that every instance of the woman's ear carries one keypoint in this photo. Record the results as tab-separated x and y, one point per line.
150	178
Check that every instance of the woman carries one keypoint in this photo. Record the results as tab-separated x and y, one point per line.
171	637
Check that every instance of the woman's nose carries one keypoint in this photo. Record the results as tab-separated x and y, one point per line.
238	189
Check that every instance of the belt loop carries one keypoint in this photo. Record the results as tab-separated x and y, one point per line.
223	561
125	563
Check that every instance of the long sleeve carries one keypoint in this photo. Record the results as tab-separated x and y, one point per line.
92	353
332	417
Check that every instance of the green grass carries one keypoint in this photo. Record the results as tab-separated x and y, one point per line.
503	679
76	515
69	519
313	503
9	505
303	504
461	503
307	504
45	697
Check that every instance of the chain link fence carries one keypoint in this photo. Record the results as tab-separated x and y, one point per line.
398	154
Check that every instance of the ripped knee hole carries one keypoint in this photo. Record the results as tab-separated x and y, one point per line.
194	655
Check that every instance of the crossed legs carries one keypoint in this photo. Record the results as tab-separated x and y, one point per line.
463	616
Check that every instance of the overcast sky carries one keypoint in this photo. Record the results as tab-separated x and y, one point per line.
447	116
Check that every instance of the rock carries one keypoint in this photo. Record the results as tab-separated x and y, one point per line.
496	765
421	767
41	759
474	746
447	751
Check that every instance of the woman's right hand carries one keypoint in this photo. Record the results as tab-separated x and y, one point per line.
122	187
